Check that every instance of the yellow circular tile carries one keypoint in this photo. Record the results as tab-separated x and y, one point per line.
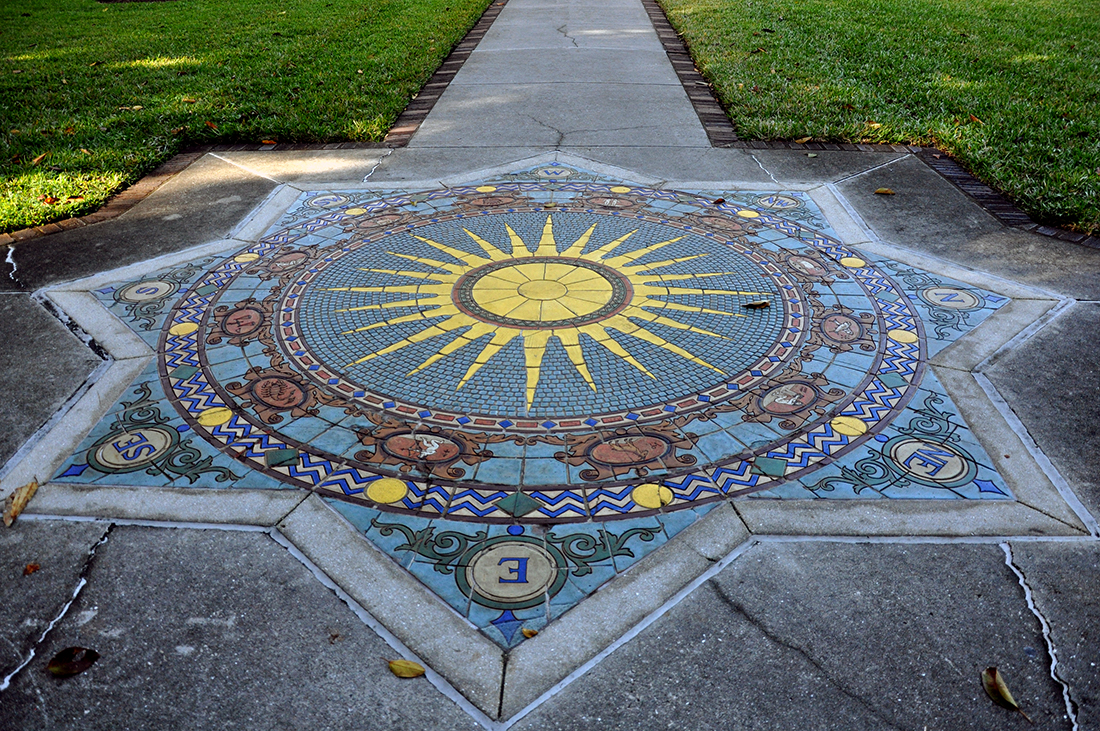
748	214
620	189
387	490
485	188
184	328
902	336
849	426
852	262
245	258
651	495
355	211
215	416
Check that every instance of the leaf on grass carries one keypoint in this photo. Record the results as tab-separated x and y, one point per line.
406	668
74	198
211	125
94	63
757	305
85	150
802	140
49	200
884	191
873	125
31	568
529	633
758	50
177	130
72	661
70	130
995	688
188	100
40	158
975	119
359	71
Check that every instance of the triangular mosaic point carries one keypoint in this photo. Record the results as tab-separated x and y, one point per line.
517	388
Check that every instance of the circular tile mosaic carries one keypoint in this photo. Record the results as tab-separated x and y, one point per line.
492	355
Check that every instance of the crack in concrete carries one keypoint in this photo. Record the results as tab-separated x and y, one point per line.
761	166
561	29
736	607
1071	705
82	581
555	130
377	164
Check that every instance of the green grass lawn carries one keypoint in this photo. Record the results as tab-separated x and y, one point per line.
92	95
1011	88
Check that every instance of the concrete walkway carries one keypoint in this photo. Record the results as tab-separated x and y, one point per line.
277	539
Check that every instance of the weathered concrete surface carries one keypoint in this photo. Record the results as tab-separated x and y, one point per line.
1063	578
41	365
201	204
827	636
1052	383
930	215
217	630
32	600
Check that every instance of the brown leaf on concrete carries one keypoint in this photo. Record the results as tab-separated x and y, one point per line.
528	632
31	568
884	191
18	500
406	668
997	690
757	305
802	140
72	661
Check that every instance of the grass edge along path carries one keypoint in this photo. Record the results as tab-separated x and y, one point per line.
1009	88
93	96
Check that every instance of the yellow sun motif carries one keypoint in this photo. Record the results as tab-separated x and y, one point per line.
537	296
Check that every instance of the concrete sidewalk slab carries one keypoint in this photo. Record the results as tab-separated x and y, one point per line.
565	117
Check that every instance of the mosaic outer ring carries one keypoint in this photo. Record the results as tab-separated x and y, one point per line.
890	383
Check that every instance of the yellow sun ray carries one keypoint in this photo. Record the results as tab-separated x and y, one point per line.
550	295
466	257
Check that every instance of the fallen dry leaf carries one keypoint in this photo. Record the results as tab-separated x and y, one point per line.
873	125
70	130
94	63
757	305
884	191
72	661
719	201
211	125
359	71
74	198
406	668
85	150
31	568
995	688
758	50
49	200
803	140
18	500
811	154
529	633
975	119
269	142
188	100
40	158
177	130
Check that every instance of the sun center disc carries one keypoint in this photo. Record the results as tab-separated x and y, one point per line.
543	292
542	289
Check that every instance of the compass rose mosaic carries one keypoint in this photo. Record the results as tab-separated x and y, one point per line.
520	387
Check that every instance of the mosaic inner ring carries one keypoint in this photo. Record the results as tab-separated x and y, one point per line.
428	455
610	292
